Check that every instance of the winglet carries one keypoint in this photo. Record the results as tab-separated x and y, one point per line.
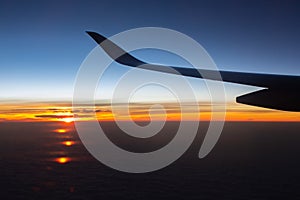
97	37
114	51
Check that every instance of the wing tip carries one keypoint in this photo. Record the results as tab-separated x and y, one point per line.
96	36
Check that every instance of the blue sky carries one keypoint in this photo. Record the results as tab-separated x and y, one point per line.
42	43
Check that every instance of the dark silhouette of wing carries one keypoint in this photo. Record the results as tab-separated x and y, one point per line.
281	91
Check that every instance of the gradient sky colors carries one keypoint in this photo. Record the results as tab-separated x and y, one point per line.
43	43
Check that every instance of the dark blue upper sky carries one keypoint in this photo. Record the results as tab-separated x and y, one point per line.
42	44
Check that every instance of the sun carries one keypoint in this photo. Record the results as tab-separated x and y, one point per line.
68	119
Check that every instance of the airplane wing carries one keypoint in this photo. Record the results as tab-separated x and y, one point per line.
281	91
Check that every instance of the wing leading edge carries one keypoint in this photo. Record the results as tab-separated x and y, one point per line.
281	91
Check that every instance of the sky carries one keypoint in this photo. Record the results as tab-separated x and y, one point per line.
43	43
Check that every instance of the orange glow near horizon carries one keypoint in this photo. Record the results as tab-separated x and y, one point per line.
58	112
